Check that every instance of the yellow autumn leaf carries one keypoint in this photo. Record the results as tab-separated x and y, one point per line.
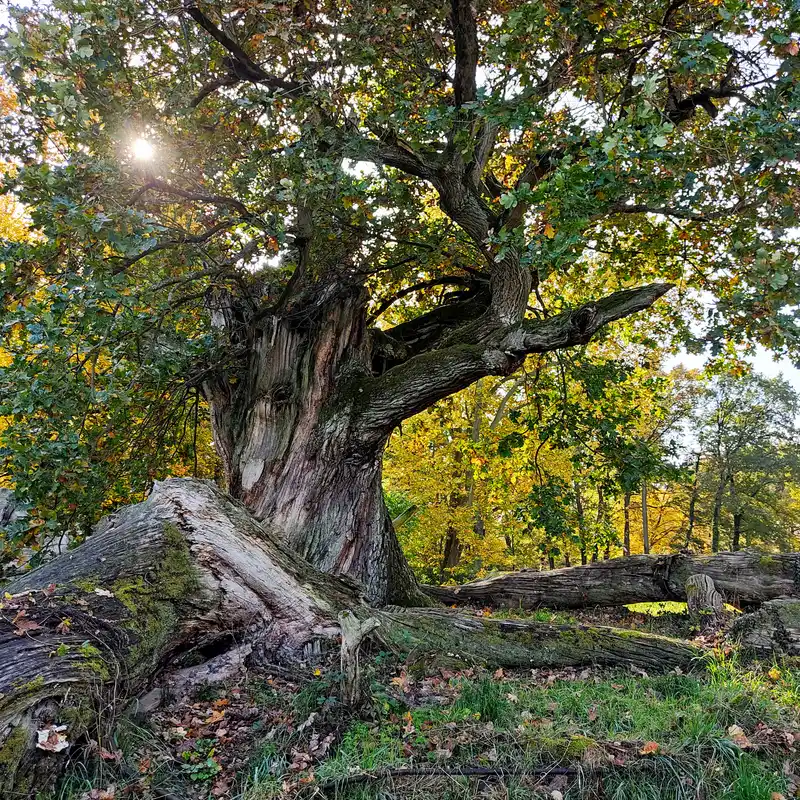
549	231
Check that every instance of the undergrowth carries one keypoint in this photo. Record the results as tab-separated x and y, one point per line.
725	732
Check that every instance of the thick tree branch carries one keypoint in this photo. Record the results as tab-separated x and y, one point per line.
409	339
411	387
391	151
388	302
576	327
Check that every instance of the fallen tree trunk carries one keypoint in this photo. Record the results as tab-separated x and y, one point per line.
773	630
187	576
742	578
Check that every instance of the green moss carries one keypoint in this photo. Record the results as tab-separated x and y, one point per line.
770	564
34	685
152	605
86	584
11	753
578	745
79	718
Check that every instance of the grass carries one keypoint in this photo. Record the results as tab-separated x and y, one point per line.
520	721
628	736
661	607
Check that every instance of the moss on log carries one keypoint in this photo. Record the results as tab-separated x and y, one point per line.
442	635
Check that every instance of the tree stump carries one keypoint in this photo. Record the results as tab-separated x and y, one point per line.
354	631
702	598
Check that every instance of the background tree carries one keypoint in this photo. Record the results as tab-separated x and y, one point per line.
746	431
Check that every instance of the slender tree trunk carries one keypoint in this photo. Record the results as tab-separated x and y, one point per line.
715	516
452	550
645	521
738	516
737	530
626	529
478	524
601	518
581	520
693	502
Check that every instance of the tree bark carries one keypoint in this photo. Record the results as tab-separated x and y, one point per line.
289	434
702	598
716	513
626	529
452	550
773	630
743	577
737	530
738	515
184	574
303	407
189	575
693	502
645	521
581	521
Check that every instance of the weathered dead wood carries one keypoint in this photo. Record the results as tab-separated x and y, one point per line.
443	635
185	573
702	597
742	578
189	575
773	630
354	631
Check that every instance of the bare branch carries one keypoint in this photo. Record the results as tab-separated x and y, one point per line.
187	194
240	65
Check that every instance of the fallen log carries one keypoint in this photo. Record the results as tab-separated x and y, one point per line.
188	576
773	630
742	578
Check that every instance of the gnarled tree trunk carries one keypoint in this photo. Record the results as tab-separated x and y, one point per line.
188	575
304	403
742	577
296	449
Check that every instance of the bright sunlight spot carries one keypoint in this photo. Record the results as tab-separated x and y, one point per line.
143	150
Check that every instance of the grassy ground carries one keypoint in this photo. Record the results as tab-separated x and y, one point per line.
726	731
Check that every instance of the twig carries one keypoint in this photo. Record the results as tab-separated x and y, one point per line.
454	772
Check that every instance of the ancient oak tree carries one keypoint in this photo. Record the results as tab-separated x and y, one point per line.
321	218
